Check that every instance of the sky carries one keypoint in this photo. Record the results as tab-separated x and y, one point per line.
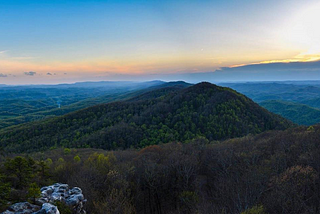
64	41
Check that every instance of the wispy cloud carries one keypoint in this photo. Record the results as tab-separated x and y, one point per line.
3	75
30	73
298	58
49	74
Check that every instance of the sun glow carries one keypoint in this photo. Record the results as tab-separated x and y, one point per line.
302	33
304	30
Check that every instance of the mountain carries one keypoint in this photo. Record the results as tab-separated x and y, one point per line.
312	102
286	91
298	113
297	101
159	116
100	84
21	104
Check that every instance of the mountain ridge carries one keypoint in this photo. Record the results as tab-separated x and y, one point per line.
201	110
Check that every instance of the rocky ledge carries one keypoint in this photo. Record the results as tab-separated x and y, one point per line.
73	198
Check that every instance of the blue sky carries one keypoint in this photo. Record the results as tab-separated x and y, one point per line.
94	40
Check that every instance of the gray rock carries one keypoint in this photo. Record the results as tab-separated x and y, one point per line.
61	192
49	195
50	209
22	208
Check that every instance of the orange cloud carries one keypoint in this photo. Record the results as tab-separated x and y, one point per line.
298	58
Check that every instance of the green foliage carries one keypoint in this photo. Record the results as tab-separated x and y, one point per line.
189	197
21	170
77	159
33	192
63	208
205	110
28	103
67	151
296	112
310	129
304	93
255	210
49	162
101	162
61	161
273	172
20	178
60	164
43	170
4	191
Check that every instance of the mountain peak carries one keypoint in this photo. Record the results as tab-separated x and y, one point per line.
160	116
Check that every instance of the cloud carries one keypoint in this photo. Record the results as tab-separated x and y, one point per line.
30	73
3	75
49	74
278	71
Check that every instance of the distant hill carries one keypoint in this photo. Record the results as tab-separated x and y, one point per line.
300	92
158	116
298	113
21	104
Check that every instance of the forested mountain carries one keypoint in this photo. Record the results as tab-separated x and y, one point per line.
160	116
269	173
20	104
298	101
296	112
299	92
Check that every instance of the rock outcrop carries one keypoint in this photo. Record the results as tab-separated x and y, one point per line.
61	192
22	208
73	198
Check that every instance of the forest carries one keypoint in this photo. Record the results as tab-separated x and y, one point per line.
272	172
159	116
296	112
297	101
27	103
159	107
23	104
171	148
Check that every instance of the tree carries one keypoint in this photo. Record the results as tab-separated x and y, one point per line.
255	210
20	170
33	192
67	151
293	191
43	170
4	191
77	159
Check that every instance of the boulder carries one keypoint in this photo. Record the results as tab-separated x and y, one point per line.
48	209
22	208
72	197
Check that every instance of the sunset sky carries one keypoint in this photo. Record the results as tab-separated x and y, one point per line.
60	41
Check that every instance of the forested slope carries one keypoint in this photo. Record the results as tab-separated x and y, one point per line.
21	104
158	116
296	112
272	172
